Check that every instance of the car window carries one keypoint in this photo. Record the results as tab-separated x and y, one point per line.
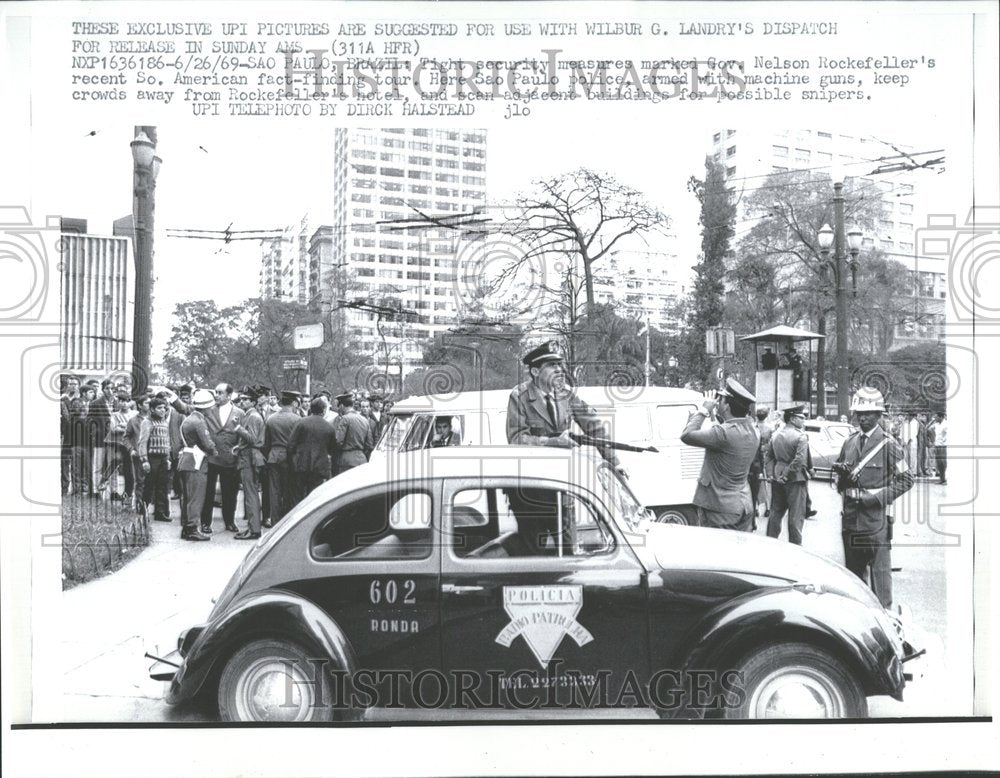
669	421
419	433
387	525
839	433
513	521
448	431
395	431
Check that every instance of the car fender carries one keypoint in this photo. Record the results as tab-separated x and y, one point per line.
269	613
844	627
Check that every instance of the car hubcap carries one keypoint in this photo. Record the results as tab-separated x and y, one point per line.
273	690
797	693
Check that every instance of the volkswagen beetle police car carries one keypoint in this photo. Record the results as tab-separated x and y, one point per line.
511	578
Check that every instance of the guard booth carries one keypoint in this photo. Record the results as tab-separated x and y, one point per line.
784	368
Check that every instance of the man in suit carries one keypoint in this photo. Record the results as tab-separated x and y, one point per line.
174	421
277	432
312	444
192	463
757	466
786	465
353	433
222	421
71	391
541	409
873	472
723	493
250	459
377	417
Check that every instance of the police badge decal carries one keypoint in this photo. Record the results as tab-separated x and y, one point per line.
543	615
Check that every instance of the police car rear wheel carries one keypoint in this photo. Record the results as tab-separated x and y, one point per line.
796	681
675	514
272	680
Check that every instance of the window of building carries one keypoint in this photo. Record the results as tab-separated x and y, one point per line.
363	183
420	175
886	245
472	151
717	137
821	134
905	209
905	246
780	151
451	164
415	160
449	178
731	151
802	155
730	171
360	197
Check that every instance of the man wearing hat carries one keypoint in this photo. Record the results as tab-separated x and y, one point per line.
249	460
192	463
786	465
541	409
277	432
353	433
376	417
723	493
872	472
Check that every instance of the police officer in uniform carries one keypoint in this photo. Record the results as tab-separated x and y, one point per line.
872	472
541	409
281	477
353	434
250	460
786	465
723	493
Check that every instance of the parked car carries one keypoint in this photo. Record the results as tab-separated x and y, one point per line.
664	481
506	578
826	439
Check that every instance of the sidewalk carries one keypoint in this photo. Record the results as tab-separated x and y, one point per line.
111	622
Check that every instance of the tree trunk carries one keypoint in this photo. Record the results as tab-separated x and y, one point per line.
588	278
821	368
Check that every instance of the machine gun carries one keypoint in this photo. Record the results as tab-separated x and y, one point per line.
588	440
845	478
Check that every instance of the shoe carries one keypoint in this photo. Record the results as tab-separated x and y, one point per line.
247	535
206	530
194	535
810	513
161	518
232	528
267	524
942	483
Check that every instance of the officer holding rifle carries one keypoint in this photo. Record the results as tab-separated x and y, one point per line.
871	473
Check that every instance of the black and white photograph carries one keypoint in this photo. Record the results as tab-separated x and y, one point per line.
514	379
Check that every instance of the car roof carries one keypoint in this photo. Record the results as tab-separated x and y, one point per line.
464	462
599	396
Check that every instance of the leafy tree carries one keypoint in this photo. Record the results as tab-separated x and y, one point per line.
708	299
198	349
911	378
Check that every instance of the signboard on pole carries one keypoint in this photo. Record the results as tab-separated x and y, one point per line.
289	364
720	342
308	336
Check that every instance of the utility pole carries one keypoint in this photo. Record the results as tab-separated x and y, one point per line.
145	167
841	297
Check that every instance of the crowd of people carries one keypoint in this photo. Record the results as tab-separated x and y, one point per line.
179	442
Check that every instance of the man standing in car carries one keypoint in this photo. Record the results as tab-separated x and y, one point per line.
723	493
541	409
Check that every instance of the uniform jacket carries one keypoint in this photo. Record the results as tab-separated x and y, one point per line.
786	457
730	449
882	480
174	421
251	434
530	424
194	432
354	438
224	436
311	445
277	430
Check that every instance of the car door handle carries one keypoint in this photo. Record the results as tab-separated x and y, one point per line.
454	589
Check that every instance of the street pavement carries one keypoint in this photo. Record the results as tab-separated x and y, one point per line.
111	622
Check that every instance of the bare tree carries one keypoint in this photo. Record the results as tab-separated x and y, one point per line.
581	215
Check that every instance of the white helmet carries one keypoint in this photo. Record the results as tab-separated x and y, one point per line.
868	398
202	399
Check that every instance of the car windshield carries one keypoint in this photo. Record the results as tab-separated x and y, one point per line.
395	431
627	509
839	432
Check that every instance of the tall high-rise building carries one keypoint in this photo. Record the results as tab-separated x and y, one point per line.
751	154
98	311
644	285
391	187
285	271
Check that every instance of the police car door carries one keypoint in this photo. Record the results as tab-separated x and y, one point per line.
541	605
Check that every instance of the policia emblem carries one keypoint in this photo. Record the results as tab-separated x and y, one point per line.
543	615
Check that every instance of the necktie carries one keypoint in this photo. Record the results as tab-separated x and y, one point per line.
864	442
553	414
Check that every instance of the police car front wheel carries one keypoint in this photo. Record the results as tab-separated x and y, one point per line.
797	681
273	680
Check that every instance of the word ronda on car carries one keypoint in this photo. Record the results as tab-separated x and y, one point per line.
532	569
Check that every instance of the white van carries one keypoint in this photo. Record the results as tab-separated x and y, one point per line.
640	416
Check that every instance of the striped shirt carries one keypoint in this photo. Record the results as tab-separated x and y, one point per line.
154	438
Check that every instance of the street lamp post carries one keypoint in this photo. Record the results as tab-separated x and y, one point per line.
145	167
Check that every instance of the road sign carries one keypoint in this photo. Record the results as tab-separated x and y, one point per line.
720	342
289	364
308	336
